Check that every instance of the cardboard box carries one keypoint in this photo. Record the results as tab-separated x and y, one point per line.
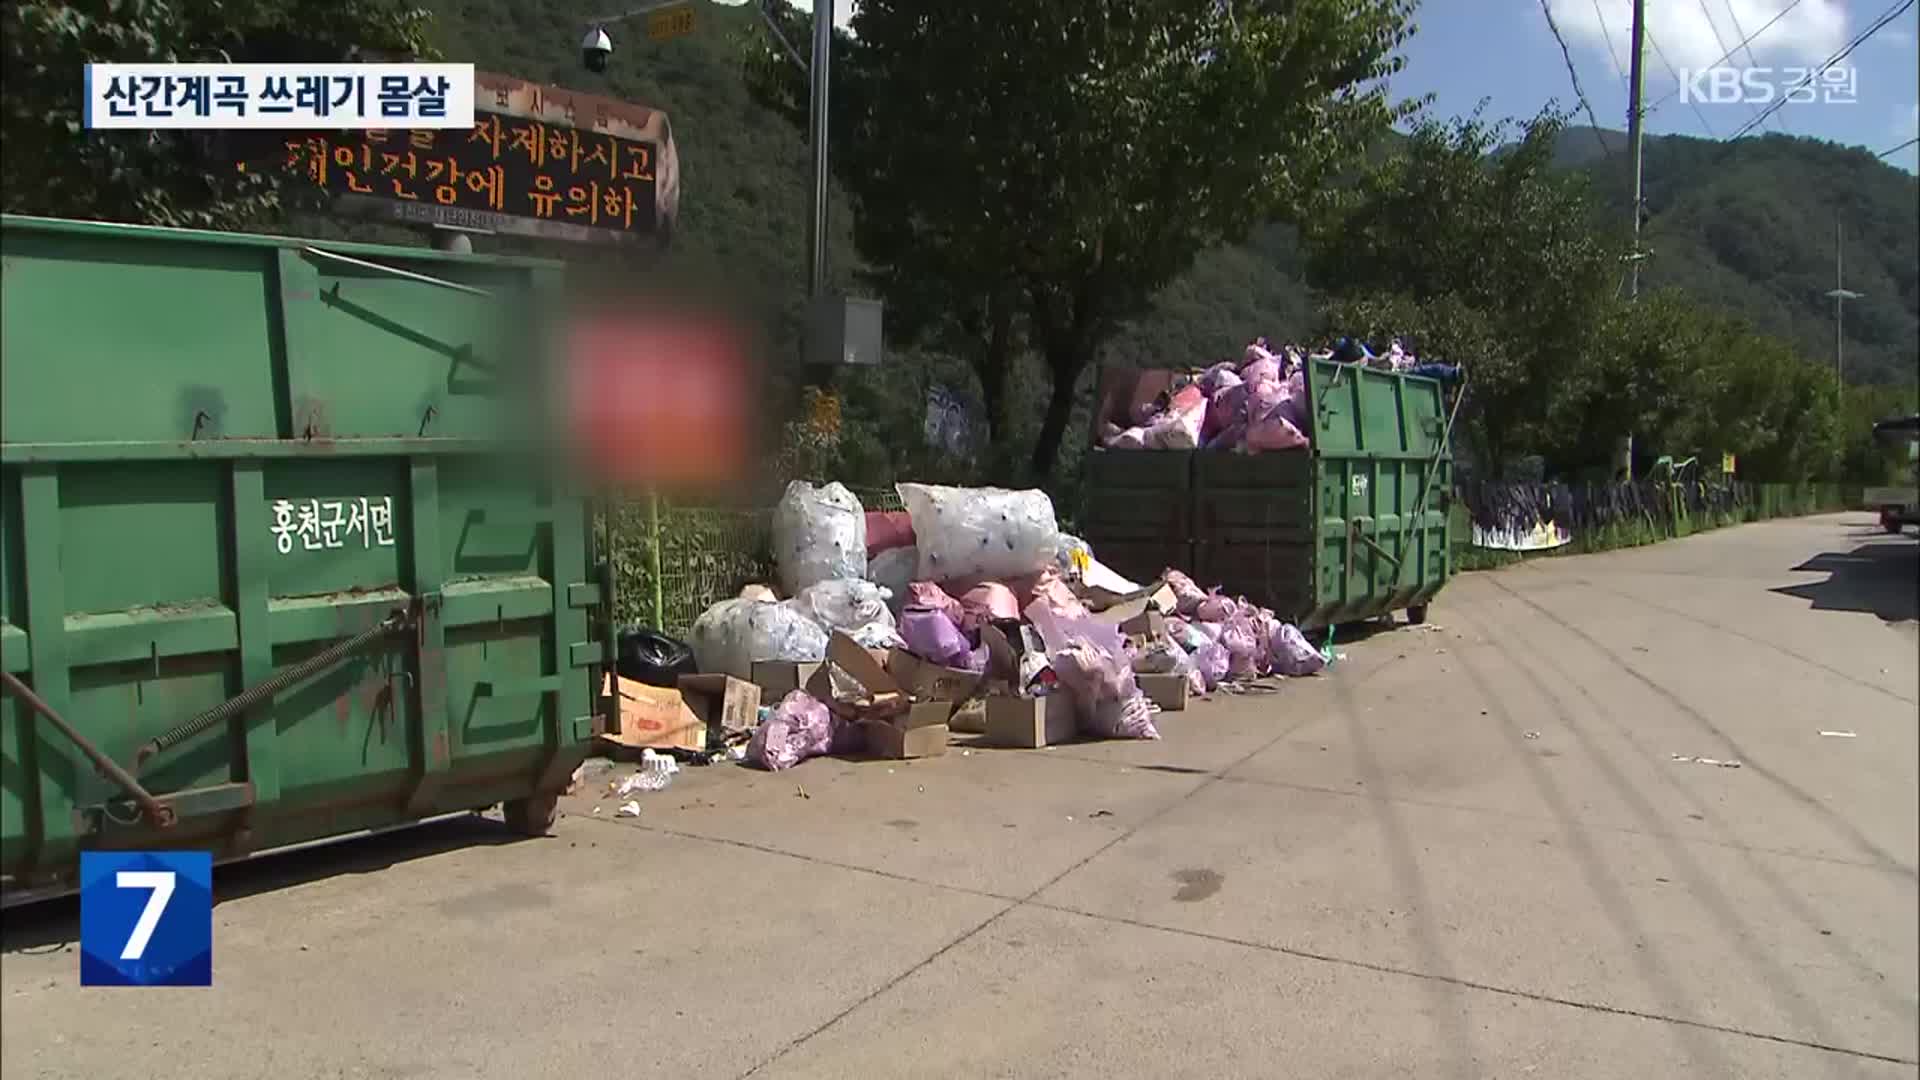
1167	691
884	698
1029	723
722	702
778	678
895	741
930	682
970	718
652	716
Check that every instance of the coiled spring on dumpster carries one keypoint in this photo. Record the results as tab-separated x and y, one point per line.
262	691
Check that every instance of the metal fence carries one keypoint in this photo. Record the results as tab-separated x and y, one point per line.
671	561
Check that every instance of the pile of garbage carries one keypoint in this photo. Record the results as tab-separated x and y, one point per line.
1258	404
967	596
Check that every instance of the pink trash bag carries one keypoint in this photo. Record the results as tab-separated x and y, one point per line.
1242	643
800	727
888	529
1186	595
1227	407
1179	427
1293	654
1211	661
1216	608
929	595
933	637
1275	432
986	602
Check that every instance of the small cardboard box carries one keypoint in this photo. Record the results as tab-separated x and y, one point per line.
970	718
778	678
1167	691
896	741
722	702
1029	723
652	716
930	682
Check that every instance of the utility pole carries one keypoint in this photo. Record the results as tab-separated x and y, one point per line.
1634	132
1840	294
817	138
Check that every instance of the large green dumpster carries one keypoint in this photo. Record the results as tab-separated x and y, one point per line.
276	543
1352	528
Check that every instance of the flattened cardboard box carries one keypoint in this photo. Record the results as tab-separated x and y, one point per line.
928	681
653	716
895	742
722	702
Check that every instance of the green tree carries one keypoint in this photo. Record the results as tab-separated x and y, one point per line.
1499	242
54	166
1041	168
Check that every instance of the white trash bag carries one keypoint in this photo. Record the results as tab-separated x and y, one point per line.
819	534
856	608
729	636
980	534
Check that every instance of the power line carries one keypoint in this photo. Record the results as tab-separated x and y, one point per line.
1752	60
1547	9
1897	149
1612	53
1743	44
1671	70
1715	29
1779	103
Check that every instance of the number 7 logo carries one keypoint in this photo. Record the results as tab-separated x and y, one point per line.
146	918
161	882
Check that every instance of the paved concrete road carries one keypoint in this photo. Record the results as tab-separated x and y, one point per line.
1468	851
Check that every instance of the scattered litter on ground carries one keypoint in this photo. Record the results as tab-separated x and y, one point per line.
1527	734
630	808
800	792
1101	813
1428	628
1839	735
656	772
1705	761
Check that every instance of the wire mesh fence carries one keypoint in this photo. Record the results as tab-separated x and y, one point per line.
671	561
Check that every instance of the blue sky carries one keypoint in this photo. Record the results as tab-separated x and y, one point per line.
1504	51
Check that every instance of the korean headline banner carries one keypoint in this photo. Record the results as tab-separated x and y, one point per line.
144	97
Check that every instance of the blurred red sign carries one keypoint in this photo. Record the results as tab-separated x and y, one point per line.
660	401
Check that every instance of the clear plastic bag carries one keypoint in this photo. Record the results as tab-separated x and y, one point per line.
981	534
893	570
729	636
819	534
856	608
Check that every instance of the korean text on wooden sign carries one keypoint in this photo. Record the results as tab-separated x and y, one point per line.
293	96
504	165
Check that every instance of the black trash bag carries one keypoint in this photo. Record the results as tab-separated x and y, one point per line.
648	656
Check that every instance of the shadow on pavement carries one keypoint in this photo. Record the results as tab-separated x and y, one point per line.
53	925
1882	577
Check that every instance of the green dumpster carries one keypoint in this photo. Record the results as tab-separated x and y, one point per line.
1354	527
279	557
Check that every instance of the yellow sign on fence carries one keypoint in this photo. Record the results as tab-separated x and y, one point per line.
1726	464
670	22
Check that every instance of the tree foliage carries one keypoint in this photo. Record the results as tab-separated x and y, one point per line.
1042	168
1498	250
54	166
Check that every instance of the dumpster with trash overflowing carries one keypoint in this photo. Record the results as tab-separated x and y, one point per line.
266	575
1319	485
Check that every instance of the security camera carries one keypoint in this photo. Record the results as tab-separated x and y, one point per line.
595	48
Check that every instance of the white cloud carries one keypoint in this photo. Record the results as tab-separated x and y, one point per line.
1812	31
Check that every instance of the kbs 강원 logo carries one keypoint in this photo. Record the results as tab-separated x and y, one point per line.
146	918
